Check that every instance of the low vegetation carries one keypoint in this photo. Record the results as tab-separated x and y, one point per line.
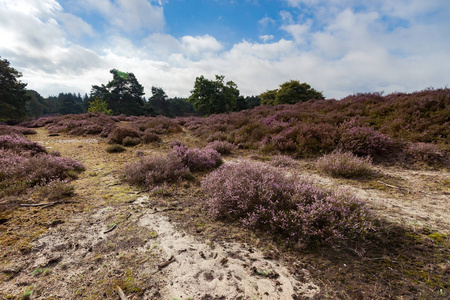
345	164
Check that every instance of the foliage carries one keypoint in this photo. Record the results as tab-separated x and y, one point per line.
214	96
131	141
8	130
116	148
426	153
150	137
198	159
28	163
13	95
260	197
223	147
290	92
345	164
120	133
362	140
80	124
99	106
152	170
124	94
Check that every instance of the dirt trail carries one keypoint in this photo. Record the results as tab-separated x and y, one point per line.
122	238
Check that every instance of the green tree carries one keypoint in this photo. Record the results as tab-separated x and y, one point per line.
124	94
214	96
13	95
36	105
99	106
290	92
157	103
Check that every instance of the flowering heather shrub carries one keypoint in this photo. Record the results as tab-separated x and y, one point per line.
152	170
364	141
175	142
429	154
82	124
31	170
120	133
150	137
223	147
158	125
262	198
130	141
9	130
19	144
198	159
282	161
345	164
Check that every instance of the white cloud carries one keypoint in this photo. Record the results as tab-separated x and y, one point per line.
127	15
200	45
266	37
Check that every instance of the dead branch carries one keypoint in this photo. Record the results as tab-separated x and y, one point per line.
165	209
121	294
165	264
48	204
394	187
111	229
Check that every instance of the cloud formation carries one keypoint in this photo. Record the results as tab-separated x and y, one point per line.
337	46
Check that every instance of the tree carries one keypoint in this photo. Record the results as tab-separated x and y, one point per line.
13	95
36	105
213	96
157	103
99	106
124	94
290	92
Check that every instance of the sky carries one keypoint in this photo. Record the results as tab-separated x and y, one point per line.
339	47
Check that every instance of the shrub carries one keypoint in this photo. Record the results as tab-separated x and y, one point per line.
150	137
262	198
120	133
345	164
429	154
130	141
116	148
80	124
282	161
364	141
175	142
223	147
198	159
150	171
19	144
8	130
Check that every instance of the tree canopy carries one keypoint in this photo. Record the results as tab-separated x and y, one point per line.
124	94
290	92
13	95
214	96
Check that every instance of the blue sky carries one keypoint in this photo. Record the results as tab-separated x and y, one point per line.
339	47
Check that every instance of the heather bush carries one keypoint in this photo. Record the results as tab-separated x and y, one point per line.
55	190
425	153
131	141
81	124
9	130
116	148
120	133
198	159
260	197
175	142
223	147
158	125
28	170
19	144
363	141
345	164
153	170
282	161
150	137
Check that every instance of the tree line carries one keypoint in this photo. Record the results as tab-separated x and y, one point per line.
125	95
